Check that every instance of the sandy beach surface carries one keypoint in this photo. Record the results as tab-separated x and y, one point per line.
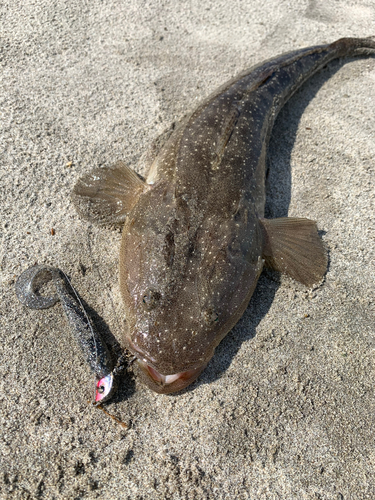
286	408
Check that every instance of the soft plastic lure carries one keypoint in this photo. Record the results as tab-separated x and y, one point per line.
89	339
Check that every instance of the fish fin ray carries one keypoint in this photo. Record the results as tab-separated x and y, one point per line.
106	195
292	246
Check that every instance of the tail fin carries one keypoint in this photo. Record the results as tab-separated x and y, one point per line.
355	46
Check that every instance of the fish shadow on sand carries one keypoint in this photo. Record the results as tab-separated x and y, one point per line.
279	182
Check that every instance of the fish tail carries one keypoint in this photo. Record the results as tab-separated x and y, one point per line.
354	46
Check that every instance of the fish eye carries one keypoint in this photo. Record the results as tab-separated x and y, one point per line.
150	299
210	317
101	389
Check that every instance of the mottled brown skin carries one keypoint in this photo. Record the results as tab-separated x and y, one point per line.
194	243
200	277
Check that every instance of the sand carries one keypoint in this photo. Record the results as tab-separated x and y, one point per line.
285	409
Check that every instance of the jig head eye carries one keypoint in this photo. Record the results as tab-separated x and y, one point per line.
104	389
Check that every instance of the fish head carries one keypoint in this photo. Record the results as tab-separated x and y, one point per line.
185	280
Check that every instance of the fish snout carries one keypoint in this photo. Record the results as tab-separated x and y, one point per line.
164	371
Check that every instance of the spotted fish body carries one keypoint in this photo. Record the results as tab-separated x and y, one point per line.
194	238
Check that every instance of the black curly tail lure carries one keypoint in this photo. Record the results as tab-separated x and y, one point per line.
87	337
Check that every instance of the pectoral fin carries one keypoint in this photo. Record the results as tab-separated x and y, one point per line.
106	195
293	246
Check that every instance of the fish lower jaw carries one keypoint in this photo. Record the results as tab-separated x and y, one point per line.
167	383
165	379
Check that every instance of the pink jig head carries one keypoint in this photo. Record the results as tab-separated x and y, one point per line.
104	389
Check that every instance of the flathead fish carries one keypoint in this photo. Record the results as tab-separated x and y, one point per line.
194	236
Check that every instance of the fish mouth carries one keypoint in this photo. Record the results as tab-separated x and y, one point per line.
164	384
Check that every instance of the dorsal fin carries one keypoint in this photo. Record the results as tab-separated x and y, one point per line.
106	195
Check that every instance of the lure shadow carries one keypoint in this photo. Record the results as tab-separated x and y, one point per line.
278	186
124	380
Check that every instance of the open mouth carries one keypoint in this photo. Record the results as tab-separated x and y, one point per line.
165	379
183	378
